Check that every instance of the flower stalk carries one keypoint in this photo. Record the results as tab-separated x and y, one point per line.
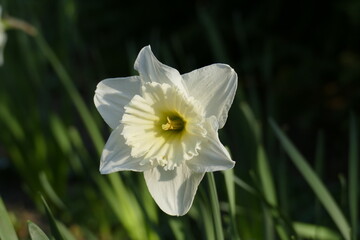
15	23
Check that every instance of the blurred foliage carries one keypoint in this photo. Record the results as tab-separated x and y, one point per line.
298	63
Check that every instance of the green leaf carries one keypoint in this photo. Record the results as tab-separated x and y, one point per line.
264	173
266	177
353	175
64	231
208	223
314	182
251	120
268	189
177	230
310	231
60	133
35	232
319	168
124	204
7	231
49	190
241	183
215	206
53	225
230	187
11	122
74	94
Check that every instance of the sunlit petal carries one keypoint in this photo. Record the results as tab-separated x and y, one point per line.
215	87
112	95
116	155
152	70
173	191
214	156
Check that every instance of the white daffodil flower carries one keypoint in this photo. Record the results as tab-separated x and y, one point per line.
165	125
2	39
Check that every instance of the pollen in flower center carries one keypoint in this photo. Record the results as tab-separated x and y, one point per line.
174	123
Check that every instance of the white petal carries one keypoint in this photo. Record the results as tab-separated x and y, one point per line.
173	190
112	95
151	70
214	86
116	155
213	155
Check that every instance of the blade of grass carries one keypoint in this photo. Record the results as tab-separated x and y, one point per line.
268	226
205	217
264	173
124	204
79	103
131	207
65	232
251	120
149	208
343	196
7	230
283	225
310	231
176	228
52	222
49	190
208	224
230	187
314	182
268	188
60	133
244	185
281	232
215	206
266	177
353	175
35	232
11	122
65	137
283	182
319	166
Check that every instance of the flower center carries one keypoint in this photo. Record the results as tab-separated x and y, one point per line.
174	123
163	126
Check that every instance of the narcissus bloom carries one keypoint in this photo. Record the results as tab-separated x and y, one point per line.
165	125
2	39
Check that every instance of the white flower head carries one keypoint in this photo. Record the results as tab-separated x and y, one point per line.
3	38
165	125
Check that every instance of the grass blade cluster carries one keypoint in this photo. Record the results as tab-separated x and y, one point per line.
314	182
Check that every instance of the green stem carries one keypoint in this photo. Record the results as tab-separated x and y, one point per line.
230	186
215	206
